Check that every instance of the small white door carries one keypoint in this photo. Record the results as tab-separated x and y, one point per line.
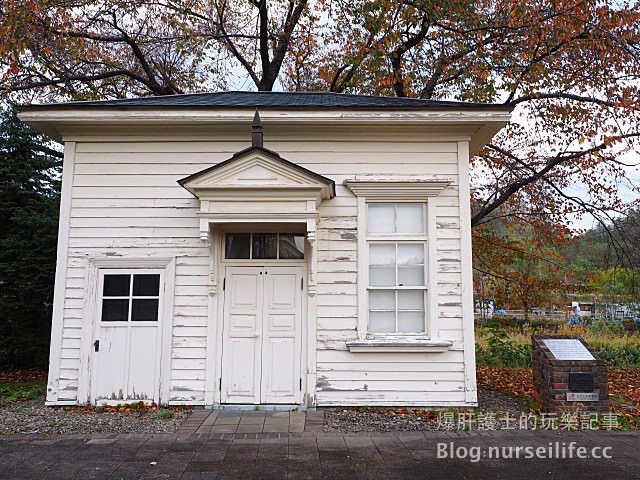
261	353
125	351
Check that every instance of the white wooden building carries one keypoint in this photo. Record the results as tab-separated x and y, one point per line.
321	256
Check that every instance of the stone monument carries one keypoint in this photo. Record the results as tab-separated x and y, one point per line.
568	375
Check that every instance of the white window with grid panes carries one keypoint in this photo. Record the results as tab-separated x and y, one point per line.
130	296
396	253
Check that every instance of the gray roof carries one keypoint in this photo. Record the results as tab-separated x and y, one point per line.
282	100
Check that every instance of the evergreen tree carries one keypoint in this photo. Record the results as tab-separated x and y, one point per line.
29	203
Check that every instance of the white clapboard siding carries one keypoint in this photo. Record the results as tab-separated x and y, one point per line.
186	150
171	172
126	202
336	323
393	396
337	266
381	378
118	203
127	212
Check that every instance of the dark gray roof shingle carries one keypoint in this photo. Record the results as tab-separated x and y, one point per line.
283	100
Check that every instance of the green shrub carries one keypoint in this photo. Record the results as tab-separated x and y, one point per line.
607	328
496	347
11	392
502	352
619	356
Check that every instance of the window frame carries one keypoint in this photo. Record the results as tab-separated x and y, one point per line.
381	192
395	238
392	188
131	272
251	233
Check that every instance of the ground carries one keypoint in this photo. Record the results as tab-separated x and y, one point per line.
505	395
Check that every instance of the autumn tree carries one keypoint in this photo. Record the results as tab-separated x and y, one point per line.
523	268
116	48
570	68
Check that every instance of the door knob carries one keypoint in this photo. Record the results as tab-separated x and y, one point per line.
96	345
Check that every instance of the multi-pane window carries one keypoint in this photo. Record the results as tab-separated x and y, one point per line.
264	246
396	241
131	297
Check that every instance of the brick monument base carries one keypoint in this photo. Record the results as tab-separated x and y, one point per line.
568	375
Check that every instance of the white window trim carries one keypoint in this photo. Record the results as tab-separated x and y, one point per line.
397	189
418	238
130	297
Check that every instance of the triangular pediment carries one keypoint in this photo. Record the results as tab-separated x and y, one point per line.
253	169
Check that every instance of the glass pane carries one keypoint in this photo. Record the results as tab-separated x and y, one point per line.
409	218
144	310
291	246
116	285
265	245
382	254
115	310
382	300
411	300
237	245
380	219
411	276
382	276
410	321
382	322
147	285
410	254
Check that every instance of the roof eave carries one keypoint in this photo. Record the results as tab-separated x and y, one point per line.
53	121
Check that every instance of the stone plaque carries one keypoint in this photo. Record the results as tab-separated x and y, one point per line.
568	349
581	382
583	396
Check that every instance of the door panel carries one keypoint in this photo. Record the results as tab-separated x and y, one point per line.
241	361
261	354
243	376
110	365
125	352
126	364
278	372
281	342
142	377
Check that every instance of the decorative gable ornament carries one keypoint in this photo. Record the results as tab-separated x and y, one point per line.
254	169
257	185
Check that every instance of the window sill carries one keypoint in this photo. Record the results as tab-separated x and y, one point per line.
399	344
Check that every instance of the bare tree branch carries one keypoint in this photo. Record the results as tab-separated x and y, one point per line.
515	186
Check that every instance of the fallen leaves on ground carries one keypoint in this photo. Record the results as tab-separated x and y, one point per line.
517	382
136	407
624	389
624	395
14	376
626	383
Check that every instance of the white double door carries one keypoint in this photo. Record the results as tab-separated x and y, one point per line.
261	351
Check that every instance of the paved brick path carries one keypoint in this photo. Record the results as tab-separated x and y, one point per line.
279	445
253	424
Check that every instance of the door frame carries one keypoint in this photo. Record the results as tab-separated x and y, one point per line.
216	313
91	321
299	331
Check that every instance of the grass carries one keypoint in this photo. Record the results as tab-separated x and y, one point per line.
16	391
511	347
593	336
